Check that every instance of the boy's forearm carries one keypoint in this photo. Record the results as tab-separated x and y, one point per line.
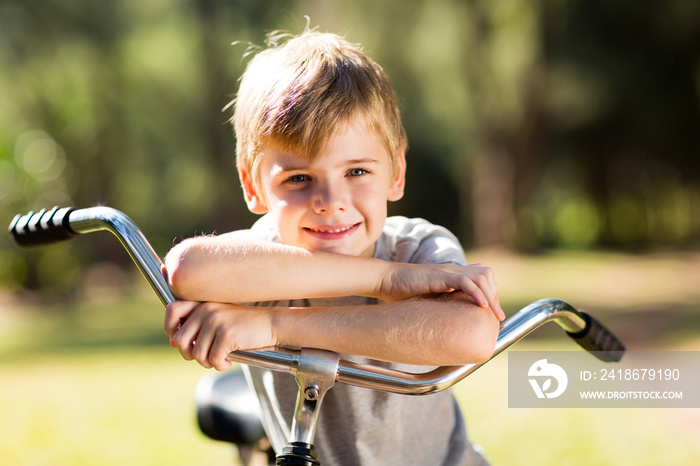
449	330
234	270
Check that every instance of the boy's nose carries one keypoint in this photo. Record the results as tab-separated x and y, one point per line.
329	199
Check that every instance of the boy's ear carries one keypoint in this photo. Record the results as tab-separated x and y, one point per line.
397	186
253	197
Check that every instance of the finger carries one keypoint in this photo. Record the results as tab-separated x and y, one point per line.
201	348
492	293
175	312
491	276
494	302
497	310
184	345
218	355
485	279
479	288
186	337
470	287
486	272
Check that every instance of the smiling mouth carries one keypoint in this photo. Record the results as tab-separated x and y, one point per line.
332	230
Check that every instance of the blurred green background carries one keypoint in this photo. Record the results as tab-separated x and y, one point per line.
558	139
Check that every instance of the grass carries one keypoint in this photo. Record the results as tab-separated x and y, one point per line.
97	383
102	407
535	437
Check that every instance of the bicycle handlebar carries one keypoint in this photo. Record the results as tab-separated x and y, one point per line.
56	225
41	228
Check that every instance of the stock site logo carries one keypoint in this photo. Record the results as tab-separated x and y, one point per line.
546	372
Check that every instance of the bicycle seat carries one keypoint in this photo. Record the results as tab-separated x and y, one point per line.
227	410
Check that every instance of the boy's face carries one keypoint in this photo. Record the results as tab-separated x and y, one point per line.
336	202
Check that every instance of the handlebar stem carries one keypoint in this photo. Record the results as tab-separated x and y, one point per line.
315	376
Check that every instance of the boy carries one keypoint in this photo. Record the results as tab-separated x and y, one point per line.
320	151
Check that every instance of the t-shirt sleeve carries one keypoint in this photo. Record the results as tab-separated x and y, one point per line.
262	230
418	241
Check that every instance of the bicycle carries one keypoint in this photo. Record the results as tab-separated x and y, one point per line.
315	371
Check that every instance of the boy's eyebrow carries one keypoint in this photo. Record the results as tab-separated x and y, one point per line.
291	166
361	161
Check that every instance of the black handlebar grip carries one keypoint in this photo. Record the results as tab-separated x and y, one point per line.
44	227
598	340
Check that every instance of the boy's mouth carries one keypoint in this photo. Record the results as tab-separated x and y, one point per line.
332	231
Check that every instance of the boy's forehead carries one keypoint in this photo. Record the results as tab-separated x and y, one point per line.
288	160
355	139
282	159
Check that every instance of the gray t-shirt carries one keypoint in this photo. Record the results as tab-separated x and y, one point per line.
359	426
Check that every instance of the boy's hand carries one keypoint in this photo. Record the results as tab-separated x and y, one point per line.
207	332
409	280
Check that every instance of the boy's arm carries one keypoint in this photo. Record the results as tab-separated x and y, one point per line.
446	330
231	269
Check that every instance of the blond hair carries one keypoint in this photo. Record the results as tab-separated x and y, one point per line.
296	95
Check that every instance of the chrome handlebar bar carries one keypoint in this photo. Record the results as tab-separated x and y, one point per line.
57	224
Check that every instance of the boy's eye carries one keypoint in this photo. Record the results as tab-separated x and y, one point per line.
357	172
298	178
